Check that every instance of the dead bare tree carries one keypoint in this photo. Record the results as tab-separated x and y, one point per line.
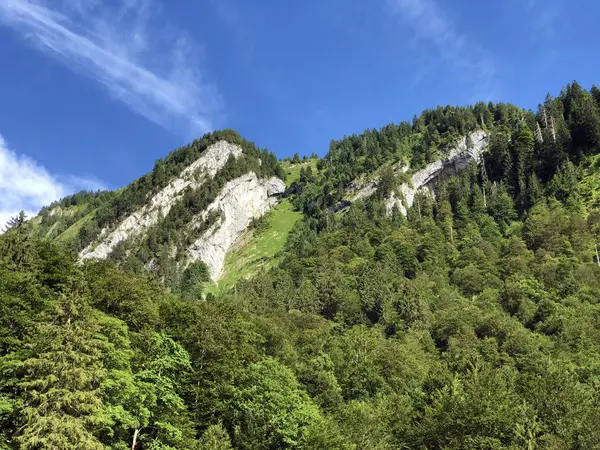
538	133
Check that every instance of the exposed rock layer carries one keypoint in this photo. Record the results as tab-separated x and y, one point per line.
212	159
240	201
468	149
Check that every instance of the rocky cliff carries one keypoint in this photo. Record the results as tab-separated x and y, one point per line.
468	149
240	201
193	176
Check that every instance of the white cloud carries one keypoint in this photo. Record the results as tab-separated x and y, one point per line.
27	186
439	40
129	49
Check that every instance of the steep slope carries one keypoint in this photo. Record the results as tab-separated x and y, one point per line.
240	202
63	219
192	177
467	150
214	190
472	322
191	208
259	249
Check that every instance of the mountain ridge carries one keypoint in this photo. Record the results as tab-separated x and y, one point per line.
219	225
470	322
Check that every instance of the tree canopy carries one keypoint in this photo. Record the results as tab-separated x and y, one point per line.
471	323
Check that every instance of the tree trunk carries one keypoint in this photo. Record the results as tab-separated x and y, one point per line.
484	198
136	433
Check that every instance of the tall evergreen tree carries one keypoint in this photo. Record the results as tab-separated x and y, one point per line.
523	151
61	379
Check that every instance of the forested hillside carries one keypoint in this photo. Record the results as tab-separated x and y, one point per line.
156	222
473	322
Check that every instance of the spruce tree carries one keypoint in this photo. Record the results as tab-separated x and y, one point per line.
62	405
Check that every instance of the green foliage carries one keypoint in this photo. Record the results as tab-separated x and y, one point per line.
473	323
75	376
193	279
56	219
215	438
61	381
479	410
293	172
269	409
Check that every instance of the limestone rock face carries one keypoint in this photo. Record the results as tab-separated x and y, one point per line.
240	201
468	149
212	159
56	211
424	180
365	191
274	186
457	159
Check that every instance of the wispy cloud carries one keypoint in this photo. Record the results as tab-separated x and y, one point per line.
27	186
438	39
129	49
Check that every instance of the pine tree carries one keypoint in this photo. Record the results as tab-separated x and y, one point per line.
585	124
499	161
523	160
15	248
596	94
61	380
17	221
215	438
535	192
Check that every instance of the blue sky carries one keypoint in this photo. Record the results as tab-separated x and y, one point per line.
94	91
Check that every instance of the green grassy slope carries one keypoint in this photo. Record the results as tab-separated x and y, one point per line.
70	234
51	231
259	249
292	171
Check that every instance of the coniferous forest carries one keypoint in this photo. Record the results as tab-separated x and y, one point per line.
471	323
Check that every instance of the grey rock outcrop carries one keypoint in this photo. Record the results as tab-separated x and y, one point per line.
365	191
212	159
467	150
241	200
